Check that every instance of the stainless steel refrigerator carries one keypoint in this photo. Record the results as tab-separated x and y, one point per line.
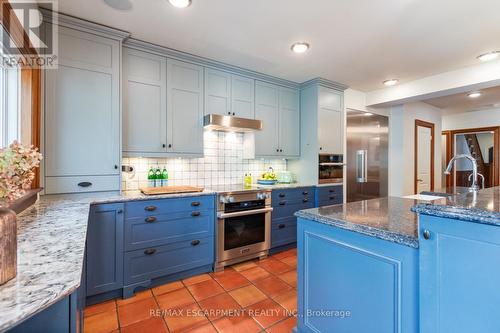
367	155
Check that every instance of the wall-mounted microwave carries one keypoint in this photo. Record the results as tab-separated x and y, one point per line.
331	169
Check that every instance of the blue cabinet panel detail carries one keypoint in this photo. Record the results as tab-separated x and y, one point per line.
329	195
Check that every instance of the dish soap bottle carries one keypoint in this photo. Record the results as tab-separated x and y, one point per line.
151	177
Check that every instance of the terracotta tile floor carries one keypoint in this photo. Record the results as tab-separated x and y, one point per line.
254	296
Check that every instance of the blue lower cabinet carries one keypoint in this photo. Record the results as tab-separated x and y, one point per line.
104	252
148	264
459	270
329	195
349	282
284	223
61	317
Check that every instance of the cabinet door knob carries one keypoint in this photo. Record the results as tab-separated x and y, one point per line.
281	226
169	145
150	219
234	114
320	148
281	150
150	208
427	234
119	211
229	113
195	214
149	252
195	242
116	167
277	150
164	145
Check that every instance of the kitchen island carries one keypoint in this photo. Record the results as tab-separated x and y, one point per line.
401	265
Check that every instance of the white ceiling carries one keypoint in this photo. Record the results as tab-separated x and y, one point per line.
459	103
356	42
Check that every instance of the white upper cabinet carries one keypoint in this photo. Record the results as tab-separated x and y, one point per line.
82	115
289	122
217	92
330	121
242	97
229	94
184	107
145	102
278	108
266	110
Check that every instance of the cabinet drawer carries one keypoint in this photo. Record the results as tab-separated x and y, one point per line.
333	199
284	208
284	232
156	230
291	195
75	184
168	206
150	263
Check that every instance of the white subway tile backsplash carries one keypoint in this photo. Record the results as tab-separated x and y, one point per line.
222	163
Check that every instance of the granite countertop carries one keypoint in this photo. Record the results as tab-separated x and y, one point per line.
395	219
51	244
480	207
385	218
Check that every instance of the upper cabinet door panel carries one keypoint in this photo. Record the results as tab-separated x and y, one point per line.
82	108
330	99
330	131
289	122
217	92
242	97
266	110
185	107
85	50
144	107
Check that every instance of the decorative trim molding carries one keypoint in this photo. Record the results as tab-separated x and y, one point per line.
324	83
69	21
206	62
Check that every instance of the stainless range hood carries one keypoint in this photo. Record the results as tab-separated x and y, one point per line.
219	122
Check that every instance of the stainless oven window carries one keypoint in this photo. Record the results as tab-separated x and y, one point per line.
244	230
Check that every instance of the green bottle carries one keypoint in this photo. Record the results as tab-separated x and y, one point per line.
151	177
164	177
158	176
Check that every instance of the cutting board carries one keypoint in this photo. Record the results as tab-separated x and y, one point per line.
170	190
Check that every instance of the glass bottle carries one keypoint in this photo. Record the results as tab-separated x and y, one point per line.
151	177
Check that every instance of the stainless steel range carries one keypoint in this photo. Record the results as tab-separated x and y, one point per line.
243	226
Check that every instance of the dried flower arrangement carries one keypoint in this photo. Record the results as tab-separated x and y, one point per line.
17	164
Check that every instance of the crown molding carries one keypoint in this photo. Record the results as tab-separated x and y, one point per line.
319	81
69	21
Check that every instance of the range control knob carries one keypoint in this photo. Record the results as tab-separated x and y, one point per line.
230	198
262	196
222	199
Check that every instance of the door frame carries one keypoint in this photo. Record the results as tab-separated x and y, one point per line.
450	150
421	123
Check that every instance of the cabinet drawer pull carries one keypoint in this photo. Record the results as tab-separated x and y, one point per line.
150	219
305	193
281	226
195	242
85	184
150	208
195	203
195	214
281	195
332	197
119	211
282	203
331	191
305	200
149	252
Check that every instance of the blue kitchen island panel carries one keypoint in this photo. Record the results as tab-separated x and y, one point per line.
349	282
460	269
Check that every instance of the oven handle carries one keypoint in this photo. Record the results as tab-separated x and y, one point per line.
331	164
222	215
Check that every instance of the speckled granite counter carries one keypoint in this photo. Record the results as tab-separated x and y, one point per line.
386	218
51	244
481	207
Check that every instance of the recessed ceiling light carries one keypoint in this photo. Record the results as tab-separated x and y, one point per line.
391	82
300	47
489	56
474	94
180	3
367	114
119	4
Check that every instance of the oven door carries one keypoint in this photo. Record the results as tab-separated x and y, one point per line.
243	233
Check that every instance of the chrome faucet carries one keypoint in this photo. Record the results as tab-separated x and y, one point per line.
480	175
474	187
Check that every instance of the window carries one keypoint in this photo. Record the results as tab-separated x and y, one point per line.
10	104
